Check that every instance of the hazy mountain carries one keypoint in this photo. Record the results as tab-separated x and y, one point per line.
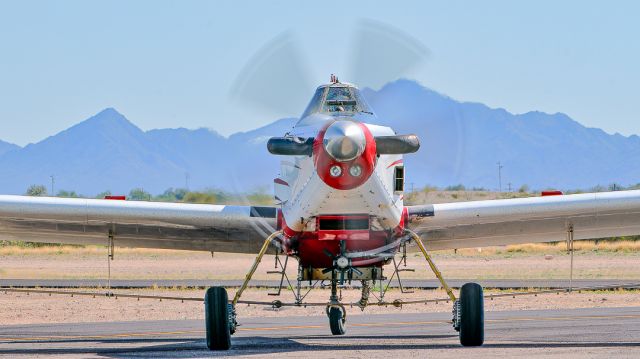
6	147
461	143
104	152
239	163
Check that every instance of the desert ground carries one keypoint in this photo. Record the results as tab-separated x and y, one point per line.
619	260
605	260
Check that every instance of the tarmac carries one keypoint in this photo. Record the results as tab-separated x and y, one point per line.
596	332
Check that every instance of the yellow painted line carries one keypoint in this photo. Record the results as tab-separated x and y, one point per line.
290	327
282	327
105	336
287	327
399	323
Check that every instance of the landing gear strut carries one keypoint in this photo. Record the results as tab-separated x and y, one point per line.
336	312
468	310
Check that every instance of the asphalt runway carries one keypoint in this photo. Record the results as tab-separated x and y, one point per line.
548	333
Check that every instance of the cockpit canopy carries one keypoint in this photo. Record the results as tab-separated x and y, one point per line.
337	98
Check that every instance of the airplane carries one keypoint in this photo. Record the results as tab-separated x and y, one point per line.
340	214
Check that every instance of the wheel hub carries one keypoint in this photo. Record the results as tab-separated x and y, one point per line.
456	315
233	322
342	262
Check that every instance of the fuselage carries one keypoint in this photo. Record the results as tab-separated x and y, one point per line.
321	205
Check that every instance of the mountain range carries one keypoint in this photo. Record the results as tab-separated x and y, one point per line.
462	143
6	147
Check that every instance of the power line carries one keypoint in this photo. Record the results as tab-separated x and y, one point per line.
53	181
500	177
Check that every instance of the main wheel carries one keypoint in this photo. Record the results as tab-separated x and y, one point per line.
336	321
216	310
471	315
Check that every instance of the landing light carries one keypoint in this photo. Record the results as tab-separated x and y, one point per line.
335	171
355	170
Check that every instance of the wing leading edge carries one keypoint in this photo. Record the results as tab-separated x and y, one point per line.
242	229
203	227
526	220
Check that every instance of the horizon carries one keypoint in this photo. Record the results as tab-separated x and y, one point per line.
461	144
261	193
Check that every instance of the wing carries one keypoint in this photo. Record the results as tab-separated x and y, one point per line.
203	227
526	220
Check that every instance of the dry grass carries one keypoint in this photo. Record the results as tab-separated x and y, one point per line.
587	246
619	246
18	250
438	196
624	246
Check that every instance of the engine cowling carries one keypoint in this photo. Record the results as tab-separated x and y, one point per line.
344	154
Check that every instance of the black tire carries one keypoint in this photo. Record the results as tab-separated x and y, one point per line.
336	321
471	315
216	310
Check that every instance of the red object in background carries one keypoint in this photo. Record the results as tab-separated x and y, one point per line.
116	198
551	193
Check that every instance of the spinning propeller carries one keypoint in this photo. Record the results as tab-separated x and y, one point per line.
277	79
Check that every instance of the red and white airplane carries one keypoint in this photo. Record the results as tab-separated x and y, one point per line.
340	214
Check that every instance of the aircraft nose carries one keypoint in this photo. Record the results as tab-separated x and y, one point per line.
344	140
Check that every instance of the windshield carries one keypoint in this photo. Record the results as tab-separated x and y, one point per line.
363	106
339	99
315	103
336	99
339	94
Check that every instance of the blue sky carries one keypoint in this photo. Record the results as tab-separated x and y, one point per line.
172	64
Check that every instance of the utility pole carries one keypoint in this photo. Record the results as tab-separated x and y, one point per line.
53	181
509	186
186	180
500	177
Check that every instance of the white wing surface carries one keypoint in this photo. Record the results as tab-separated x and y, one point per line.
219	228
526	220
